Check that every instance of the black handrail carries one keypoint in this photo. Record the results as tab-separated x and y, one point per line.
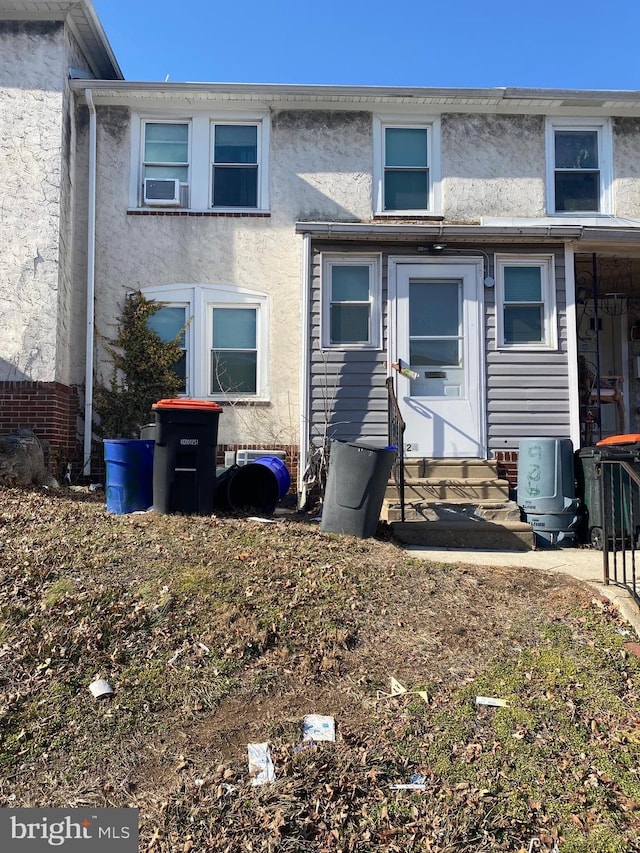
396	430
620	499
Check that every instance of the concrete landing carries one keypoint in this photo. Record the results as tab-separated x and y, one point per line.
462	534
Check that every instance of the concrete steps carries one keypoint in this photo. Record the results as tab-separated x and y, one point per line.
456	503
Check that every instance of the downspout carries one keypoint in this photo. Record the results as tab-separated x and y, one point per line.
91	286
305	362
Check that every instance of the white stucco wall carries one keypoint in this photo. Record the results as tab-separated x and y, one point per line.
259	254
492	165
32	75
626	172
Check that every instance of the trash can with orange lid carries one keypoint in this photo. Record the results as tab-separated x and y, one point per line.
184	462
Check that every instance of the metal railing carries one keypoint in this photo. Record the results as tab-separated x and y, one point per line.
396	437
620	497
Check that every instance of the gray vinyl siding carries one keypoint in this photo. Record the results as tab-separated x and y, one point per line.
527	393
348	395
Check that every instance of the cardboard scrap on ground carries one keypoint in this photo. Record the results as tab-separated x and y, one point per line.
315	727
397	689
491	700
261	767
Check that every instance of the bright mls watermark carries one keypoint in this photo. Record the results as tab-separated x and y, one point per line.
71	830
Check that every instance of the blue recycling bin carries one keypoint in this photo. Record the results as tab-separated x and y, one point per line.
129	474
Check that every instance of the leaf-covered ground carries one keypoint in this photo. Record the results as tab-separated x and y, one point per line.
217	632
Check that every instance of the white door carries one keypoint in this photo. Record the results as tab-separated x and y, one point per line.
437	337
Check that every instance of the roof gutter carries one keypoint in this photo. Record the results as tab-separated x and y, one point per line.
439	231
91	286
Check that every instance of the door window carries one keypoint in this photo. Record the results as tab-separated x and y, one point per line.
435	338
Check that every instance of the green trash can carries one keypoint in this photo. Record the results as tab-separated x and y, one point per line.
356	483
626	518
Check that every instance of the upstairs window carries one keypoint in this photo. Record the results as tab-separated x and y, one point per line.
406	168
235	165
210	162
525	301
165	168
351	302
406	161
579	173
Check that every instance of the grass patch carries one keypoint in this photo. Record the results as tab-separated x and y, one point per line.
218	632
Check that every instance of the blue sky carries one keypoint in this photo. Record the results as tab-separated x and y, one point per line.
577	44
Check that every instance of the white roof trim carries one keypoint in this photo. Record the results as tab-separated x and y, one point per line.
408	100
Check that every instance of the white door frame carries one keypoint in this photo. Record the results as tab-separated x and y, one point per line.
476	263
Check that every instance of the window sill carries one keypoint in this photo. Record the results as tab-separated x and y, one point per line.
241	401
408	214
527	348
590	215
168	211
351	348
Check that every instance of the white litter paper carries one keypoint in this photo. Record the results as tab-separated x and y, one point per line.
491	700
316	727
261	767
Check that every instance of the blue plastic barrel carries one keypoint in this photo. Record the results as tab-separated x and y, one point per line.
279	471
129	474
257	486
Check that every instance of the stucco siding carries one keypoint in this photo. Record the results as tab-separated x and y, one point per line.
321	166
258	254
32	79
71	293
492	165
626	170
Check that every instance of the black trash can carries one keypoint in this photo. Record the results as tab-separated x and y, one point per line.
184	461
356	483
588	489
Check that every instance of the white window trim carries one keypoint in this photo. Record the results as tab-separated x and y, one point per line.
201	156
550	324
603	127
374	262
432	124
200	299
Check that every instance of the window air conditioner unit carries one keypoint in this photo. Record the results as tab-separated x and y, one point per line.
245	456
162	191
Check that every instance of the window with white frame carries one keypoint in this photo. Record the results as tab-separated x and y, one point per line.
201	162
165	163
579	166
406	166
235	165
351	301
525	302
224	341
234	349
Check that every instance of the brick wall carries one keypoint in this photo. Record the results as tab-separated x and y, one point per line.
507	465
291	460
50	409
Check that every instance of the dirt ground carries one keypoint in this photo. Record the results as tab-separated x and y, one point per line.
219	632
